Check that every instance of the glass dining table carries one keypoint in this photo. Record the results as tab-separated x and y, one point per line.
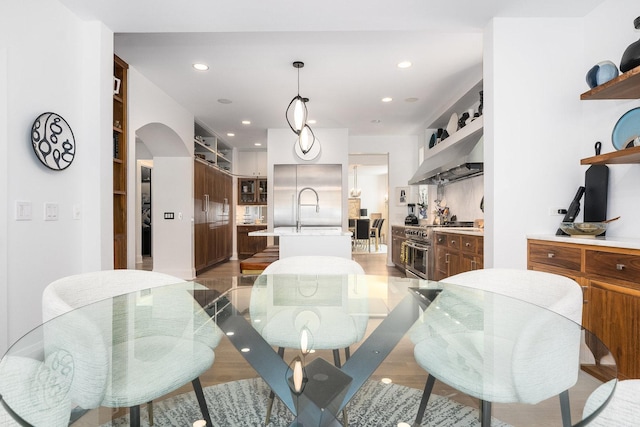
307	350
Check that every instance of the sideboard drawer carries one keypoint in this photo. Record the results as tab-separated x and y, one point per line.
556	256
619	266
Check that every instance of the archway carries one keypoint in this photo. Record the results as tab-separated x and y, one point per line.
159	147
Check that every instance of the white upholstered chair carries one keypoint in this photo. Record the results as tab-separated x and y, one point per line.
623	410
541	349
159	359
334	311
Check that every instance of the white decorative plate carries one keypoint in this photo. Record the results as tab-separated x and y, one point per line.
452	127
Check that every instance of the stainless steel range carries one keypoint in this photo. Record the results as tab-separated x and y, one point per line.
420	255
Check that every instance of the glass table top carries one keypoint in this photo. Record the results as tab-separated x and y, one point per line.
72	365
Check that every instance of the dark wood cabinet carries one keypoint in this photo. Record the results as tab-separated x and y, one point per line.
456	253
610	278
250	245
397	240
120	69
252	191
213	227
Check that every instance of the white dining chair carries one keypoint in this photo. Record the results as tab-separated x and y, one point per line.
623	410
541	352
173	343
332	325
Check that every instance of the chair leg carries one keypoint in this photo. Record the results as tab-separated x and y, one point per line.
150	412
347	353
272	395
485	413
197	388
428	387
336	358
565	409
134	416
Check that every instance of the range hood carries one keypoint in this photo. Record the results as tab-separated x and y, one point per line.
458	157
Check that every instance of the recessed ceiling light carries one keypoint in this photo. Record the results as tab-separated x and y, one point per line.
404	64
200	67
311	122
246	122
411	100
224	101
231	134
258	144
387	99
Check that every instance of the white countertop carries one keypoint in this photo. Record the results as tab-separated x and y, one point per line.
607	241
471	231
305	231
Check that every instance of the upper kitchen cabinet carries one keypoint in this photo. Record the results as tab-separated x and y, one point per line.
252	191
208	147
460	155
625	86
251	163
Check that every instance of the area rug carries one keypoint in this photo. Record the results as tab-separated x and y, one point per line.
243	403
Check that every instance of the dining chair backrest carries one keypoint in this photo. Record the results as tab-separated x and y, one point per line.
78	324
67	293
541	349
352	222
363	227
375	215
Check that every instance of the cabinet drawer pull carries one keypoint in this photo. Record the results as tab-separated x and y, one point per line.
446	258
619	266
467	244
551	255
453	242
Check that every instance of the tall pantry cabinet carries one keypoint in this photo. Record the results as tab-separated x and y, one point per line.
213	213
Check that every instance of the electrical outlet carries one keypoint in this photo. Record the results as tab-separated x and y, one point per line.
557	211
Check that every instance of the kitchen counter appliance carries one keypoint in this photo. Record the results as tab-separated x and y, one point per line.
411	218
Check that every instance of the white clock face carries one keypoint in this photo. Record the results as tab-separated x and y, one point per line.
311	154
53	142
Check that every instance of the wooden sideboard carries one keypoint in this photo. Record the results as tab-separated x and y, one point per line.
456	253
610	278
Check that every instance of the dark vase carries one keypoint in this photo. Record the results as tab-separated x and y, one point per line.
631	56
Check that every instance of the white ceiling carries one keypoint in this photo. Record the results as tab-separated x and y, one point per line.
350	50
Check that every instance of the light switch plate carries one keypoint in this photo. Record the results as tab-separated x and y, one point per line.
50	211
23	211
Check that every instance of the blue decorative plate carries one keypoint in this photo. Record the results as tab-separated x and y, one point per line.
626	130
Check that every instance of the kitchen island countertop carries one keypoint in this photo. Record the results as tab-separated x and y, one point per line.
608	241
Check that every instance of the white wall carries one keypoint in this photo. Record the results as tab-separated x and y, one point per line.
4	186
533	76
402	165
167	129
65	75
540	129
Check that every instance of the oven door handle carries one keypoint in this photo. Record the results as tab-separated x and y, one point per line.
418	246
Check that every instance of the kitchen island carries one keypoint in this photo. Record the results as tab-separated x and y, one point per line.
330	241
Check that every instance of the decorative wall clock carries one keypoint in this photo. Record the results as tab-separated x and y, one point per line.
53	142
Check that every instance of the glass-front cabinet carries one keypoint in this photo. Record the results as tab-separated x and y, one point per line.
252	191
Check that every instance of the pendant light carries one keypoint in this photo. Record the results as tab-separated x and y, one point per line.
306	139
355	191
296	115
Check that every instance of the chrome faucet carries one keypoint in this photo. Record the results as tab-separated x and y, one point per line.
317	205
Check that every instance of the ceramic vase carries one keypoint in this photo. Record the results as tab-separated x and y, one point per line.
631	56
